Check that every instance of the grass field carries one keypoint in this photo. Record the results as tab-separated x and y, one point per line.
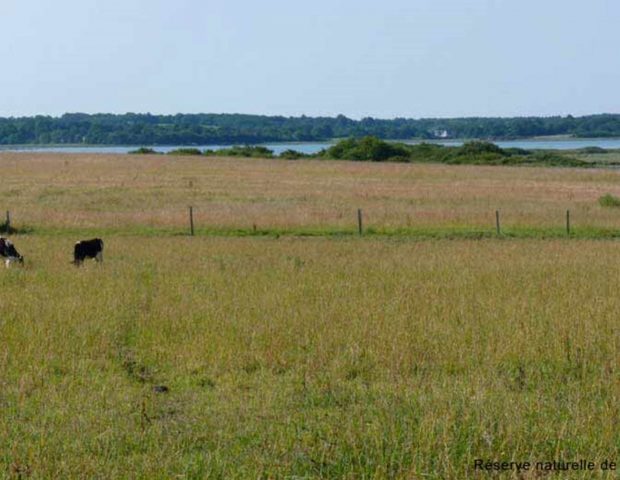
302	357
134	194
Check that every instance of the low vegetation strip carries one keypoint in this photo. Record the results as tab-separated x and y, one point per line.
373	149
413	233
472	153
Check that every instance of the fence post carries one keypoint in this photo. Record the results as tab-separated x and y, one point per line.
497	226
8	222
567	222
191	221
359	221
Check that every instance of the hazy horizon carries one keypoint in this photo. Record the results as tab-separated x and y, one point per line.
410	59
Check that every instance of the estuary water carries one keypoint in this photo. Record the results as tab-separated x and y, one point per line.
314	147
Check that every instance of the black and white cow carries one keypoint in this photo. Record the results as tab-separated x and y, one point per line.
88	249
8	252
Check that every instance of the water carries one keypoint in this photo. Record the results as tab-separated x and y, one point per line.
314	147
276	147
547	144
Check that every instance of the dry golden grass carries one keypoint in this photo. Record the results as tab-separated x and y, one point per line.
62	190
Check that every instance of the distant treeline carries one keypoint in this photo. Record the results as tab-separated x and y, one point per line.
206	129
373	149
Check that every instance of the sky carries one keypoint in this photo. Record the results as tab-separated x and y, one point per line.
360	58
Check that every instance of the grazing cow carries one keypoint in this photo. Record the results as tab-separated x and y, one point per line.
88	249
8	252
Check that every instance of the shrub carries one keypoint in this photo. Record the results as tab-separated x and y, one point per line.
257	151
517	151
428	152
555	159
478	147
367	149
593	150
143	151
185	151
609	200
291	154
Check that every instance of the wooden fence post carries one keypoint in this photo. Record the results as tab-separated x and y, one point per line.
191	221
497	226
359	221
567	222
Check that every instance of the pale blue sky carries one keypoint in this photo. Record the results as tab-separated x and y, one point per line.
383	58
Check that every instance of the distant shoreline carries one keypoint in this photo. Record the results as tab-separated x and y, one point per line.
131	129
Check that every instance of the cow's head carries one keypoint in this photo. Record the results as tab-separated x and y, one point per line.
11	251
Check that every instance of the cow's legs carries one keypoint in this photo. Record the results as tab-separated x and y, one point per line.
7	263
99	257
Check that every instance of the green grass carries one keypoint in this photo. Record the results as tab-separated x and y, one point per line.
609	200
413	233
